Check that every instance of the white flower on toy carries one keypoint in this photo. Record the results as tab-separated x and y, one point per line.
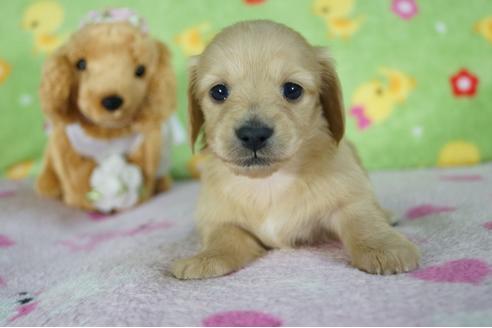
115	184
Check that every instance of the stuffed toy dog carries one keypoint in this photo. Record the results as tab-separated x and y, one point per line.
107	94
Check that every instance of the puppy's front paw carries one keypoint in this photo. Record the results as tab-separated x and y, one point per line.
203	266
391	255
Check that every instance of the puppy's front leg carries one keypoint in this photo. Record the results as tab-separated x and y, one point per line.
227	248
373	245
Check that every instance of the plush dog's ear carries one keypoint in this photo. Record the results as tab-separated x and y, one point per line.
195	113
57	84
161	93
331	96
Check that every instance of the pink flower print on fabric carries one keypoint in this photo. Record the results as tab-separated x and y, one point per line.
405	9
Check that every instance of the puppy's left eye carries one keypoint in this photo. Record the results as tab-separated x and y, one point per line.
140	71
292	91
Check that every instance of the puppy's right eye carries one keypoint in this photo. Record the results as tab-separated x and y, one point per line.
81	64
219	92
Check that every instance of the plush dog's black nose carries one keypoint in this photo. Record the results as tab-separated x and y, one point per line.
112	103
254	136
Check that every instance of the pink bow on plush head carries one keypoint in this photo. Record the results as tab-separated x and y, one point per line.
115	15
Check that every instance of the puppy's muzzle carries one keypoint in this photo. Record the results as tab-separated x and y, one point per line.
112	103
254	135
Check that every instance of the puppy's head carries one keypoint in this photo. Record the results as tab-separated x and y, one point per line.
261	92
108	74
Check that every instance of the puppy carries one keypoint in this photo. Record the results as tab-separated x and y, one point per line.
279	172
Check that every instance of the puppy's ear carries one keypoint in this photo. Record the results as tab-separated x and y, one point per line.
195	113
331	95
161	92
57	83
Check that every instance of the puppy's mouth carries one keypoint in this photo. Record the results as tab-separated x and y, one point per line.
252	161
255	161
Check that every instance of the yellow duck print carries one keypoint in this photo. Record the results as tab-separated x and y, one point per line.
458	153
338	17
484	27
4	70
43	18
20	170
374	101
193	40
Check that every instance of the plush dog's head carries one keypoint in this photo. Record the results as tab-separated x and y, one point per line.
108	75
262	93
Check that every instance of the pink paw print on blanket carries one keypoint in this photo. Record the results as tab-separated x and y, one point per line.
98	216
25	305
7	193
242	319
488	225
423	210
6	241
461	177
470	271
88	242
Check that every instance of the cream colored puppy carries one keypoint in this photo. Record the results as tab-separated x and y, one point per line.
279	172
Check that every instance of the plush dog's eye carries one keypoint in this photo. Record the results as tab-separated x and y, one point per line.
81	64
219	92
140	71
292	91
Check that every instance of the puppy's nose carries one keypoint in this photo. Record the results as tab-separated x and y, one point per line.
254	136
112	103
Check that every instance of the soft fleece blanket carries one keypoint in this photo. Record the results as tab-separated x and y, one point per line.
60	266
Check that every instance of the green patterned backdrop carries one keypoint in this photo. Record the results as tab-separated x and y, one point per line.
416	74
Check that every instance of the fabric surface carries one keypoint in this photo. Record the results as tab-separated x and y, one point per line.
60	266
414	73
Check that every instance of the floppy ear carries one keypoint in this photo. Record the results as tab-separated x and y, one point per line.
195	113
331	96
161	93
57	84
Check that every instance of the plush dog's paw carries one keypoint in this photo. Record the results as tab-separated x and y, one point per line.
203	266
47	185
164	183
78	201
394	255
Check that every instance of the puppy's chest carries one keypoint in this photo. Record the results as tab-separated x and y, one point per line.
269	205
261	194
